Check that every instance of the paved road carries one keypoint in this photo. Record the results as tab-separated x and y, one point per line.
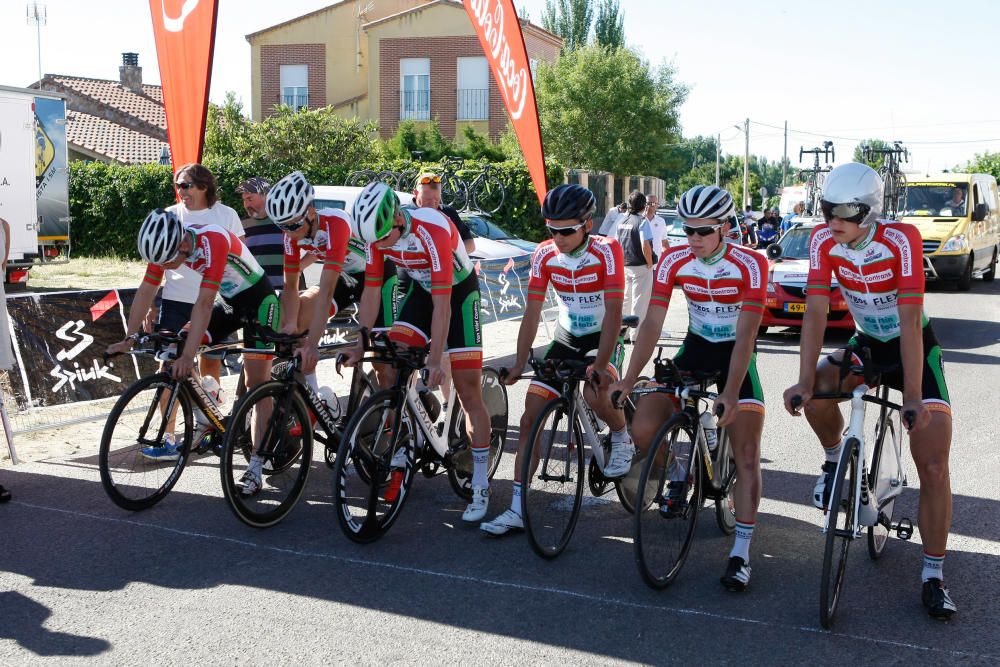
185	582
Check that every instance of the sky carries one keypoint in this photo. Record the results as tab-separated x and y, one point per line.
844	71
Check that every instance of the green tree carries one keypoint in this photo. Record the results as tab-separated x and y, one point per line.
424	137
570	19
987	163
877	160
687	163
608	109
609	28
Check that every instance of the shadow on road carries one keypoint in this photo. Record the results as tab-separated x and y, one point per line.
23	620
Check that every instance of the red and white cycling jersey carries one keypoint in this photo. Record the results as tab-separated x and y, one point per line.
431	251
882	271
582	281
225	264
331	243
717	288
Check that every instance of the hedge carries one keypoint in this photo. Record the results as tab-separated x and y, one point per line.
109	202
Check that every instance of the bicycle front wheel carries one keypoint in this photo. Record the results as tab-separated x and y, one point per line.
136	426
883	481
488	194
282	459
454	191
552	496
725	471
375	466
495	399
664	526
839	532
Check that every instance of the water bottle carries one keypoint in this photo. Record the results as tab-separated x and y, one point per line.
214	392
329	398
709	428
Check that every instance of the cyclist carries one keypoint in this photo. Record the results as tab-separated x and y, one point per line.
319	235
879	265
588	276
725	285
440	308
228	269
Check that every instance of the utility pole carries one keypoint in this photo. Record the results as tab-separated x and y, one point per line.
784	159
38	15
746	162
718	150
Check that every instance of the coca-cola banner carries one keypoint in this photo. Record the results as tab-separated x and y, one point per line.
185	36
499	32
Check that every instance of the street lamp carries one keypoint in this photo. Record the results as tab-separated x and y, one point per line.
746	160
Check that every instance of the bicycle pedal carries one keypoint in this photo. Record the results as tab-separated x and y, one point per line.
904	529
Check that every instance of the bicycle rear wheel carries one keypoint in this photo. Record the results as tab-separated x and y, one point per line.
551	498
361	178
883	480
137	422
488	194
285	451
725	470
454	192
839	532
375	466
495	398
664	528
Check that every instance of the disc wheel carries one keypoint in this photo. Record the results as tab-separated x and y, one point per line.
664	529
495	399
375	466
283	457
839	533
552	476
880	480
725	471
138	422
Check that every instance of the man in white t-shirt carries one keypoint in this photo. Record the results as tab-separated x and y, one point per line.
199	205
657	224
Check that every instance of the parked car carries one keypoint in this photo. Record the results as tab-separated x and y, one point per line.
788	267
482	227
675	227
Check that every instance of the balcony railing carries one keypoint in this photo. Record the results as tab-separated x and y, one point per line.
296	101
473	104
414	105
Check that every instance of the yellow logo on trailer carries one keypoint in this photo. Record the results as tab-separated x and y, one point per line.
45	152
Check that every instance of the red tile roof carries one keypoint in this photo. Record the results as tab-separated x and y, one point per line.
147	107
113	141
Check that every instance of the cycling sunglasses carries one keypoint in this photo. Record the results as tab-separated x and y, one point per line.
292	225
704	230
851	212
428	179
184	185
564	231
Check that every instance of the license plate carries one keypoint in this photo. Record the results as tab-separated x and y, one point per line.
795	307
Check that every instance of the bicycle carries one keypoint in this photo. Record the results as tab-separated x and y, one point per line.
890	171
680	472
392	435
454	191
866	500
286	444
487	192
816	175
363	177
140	419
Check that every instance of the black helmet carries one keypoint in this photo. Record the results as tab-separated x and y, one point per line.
568	202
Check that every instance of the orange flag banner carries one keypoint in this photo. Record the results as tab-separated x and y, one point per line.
499	32
185	38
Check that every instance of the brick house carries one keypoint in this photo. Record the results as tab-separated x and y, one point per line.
388	61
121	121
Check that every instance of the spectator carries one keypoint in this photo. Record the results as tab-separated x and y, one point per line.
657	224
199	205
797	210
427	194
264	239
636	238
767	230
956	203
6	355
615	214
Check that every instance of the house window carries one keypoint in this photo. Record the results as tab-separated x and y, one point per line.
473	89
533	66
415	89
295	86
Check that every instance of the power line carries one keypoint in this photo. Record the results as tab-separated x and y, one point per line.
862	139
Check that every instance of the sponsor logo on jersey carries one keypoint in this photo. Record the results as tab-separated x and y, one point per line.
904	252
577	280
819	237
431	248
604	249
543	253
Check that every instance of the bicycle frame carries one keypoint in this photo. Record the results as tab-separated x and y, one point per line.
428	432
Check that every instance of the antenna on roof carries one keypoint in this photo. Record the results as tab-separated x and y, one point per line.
39	15
361	11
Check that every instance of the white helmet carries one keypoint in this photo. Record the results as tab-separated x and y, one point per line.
708	202
160	236
856	185
374	211
289	198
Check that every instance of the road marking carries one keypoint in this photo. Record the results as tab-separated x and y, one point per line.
510	585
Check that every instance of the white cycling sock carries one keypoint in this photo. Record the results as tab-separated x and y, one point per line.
618	437
480	466
933	567
515	498
741	546
833	453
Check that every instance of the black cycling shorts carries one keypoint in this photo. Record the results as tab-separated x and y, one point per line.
465	337
565	345
698	354
257	303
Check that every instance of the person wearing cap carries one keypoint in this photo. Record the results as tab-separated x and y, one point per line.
427	194
263	237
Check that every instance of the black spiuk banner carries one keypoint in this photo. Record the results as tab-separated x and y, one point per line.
59	340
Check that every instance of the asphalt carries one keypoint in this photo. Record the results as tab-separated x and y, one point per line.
185	582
